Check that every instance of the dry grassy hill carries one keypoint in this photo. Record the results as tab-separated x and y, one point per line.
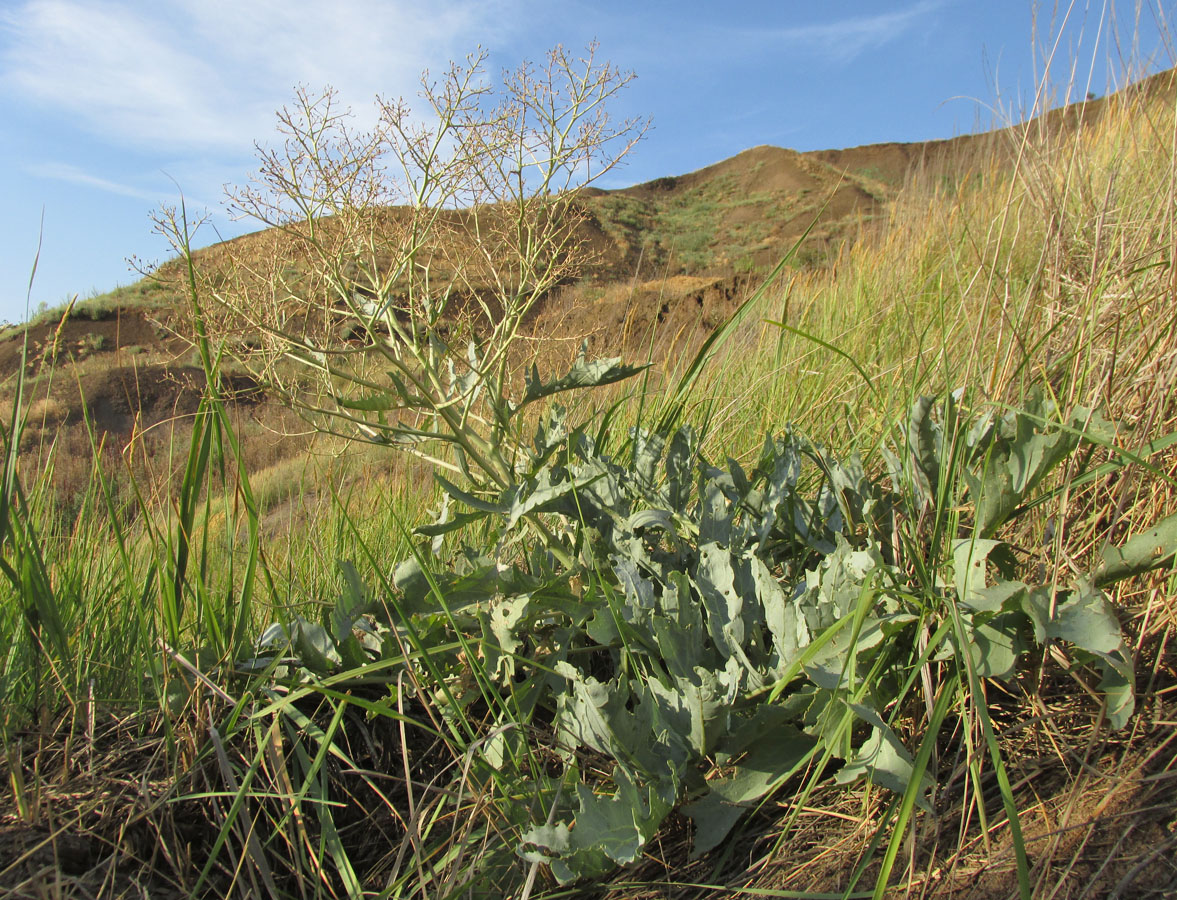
674	256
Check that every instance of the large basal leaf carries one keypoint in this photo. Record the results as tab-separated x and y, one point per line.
553	846
546	489
639	591
836	585
716	581
1085	618
609	830
777	753
995	645
1118	685
780	460
1004	595
1151	549
501	641
680	467
916	464
679	632
648	448
592	713
675	717
968	558
1012	458
1082	617
314	646
428	593
830	667
353	602
883	759
715	510
925	441
784	620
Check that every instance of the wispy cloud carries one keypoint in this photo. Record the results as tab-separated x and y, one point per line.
115	73
210	73
57	171
845	39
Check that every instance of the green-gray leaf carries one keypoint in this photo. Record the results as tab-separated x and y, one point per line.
883	759
1151	549
583	374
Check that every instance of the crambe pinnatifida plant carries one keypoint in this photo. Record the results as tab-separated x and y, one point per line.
408	257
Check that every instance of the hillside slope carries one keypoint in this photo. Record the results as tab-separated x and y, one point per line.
677	252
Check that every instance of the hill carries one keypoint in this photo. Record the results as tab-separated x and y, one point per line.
675	253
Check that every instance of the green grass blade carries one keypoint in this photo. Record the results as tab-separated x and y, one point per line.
907	803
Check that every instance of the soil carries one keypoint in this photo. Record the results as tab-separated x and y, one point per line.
121	369
124	397
81	336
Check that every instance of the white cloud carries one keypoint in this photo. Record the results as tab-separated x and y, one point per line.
845	39
116	74
72	174
171	188
210	73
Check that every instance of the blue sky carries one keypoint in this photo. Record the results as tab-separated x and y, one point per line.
107	105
